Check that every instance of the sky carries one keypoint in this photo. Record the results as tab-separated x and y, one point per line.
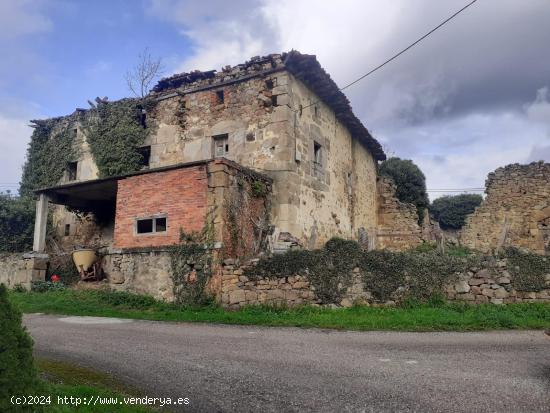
470	98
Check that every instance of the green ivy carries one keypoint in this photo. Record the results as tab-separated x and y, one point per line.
50	149
115	131
191	265
329	269
528	269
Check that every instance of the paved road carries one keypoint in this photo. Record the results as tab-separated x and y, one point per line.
245	369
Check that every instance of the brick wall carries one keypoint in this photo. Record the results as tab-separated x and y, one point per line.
180	194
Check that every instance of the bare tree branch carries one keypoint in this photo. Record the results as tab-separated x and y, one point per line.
140	79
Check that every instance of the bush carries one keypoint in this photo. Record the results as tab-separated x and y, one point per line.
16	223
410	183
451	211
45	286
128	300
18	375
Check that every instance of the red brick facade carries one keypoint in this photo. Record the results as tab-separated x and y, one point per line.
178	194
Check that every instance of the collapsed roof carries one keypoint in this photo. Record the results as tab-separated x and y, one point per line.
304	67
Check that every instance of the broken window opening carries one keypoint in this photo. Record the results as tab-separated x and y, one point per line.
220	96
151	225
145	153
274	100
300	109
67	230
316	111
71	170
269	84
317	153
220	146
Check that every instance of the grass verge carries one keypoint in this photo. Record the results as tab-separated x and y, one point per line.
90	390
438	316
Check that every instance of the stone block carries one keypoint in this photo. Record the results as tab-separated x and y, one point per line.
503	280
236	296
488	292
466	297
476	281
500	293
462	287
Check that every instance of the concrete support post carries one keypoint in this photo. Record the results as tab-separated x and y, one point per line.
41	218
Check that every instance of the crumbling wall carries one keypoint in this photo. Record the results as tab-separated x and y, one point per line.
21	269
515	212
398	228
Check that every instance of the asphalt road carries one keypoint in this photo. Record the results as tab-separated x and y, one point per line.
244	369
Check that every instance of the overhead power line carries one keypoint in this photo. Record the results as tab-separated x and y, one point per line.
395	56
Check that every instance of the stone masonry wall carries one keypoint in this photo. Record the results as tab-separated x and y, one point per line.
515	212
477	286
398	227
22	269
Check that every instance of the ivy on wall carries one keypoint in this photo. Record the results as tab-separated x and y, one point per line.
16	223
191	267
528	270
115	131
50	149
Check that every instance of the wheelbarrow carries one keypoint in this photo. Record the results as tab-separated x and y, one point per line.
88	264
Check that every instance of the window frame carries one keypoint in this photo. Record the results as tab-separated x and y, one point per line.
153	219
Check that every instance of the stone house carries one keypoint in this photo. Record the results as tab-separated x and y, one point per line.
278	123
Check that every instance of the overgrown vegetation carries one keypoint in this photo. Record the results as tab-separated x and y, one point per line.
451	211
329	269
409	275
410	183
191	266
16	223
18	375
434	315
115	131
528	269
50	150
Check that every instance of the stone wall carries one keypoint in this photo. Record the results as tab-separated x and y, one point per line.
398	227
478	285
140	272
515	212
22	269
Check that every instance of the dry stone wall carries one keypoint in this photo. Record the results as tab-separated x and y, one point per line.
398	228
493	284
22	269
515	212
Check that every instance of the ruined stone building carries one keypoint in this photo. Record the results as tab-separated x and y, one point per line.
269	152
515	212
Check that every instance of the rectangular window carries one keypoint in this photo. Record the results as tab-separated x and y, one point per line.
67	230
71	171
151	225
220	146
145	153
317	153
220	96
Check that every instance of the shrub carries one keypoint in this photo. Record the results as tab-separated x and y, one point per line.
45	286
451	211
17	372
410	183
16	223
125	299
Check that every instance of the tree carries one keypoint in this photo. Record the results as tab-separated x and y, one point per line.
16	223
410	183
451	211
17	372
144	73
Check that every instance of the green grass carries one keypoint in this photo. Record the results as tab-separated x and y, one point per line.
62	379
438	316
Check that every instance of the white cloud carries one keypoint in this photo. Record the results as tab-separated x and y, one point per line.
21	18
14	138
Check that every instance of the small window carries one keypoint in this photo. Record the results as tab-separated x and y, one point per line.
221	145
71	170
269	84
67	230
151	225
300	109
274	100
145	226
142	114
75	132
220	96
317	153
145	153
316	111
